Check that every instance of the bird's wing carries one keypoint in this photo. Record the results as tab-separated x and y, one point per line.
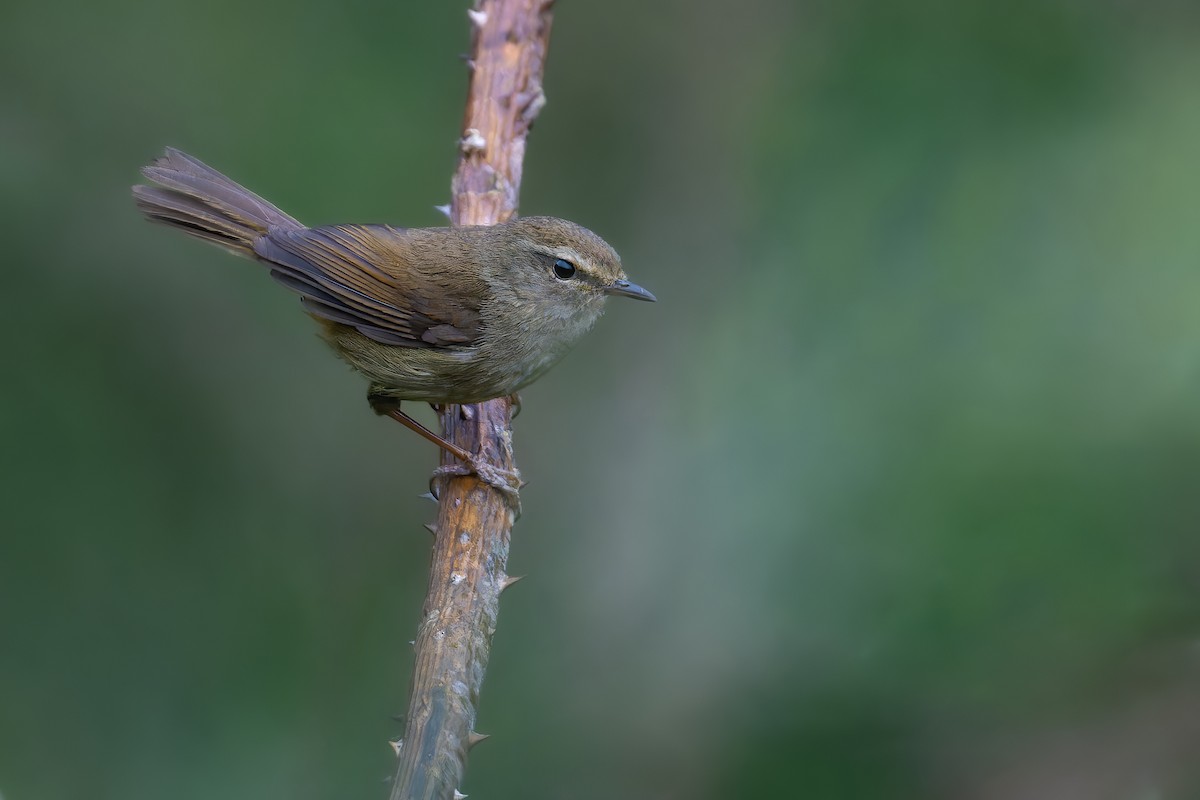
363	276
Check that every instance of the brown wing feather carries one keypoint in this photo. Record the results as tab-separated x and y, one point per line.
363	276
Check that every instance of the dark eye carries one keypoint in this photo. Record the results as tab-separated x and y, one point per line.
564	270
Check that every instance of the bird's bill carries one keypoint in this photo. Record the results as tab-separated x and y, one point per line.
627	289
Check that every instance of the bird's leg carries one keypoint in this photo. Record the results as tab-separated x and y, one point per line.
506	481
387	406
418	428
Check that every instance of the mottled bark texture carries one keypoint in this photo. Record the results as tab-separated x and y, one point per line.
471	535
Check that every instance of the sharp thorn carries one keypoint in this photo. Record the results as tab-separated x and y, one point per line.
459	795
509	580
397	745
429	526
475	738
444	209
478	18
428	496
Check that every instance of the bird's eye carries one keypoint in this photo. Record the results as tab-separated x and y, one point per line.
564	270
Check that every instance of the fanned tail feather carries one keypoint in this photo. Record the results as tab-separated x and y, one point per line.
204	203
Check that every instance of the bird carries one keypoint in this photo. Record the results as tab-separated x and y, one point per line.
441	315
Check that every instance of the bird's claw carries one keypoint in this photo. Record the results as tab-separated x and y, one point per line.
507	482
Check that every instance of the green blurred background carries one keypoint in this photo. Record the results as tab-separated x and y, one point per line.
894	494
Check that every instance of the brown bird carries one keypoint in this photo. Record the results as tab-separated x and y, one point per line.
443	315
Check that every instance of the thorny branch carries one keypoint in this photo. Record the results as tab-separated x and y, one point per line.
471	535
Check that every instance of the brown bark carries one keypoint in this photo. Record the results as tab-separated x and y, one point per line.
471	535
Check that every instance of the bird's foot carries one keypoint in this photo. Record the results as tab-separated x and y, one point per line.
506	481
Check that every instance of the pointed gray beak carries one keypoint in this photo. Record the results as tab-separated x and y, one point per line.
627	289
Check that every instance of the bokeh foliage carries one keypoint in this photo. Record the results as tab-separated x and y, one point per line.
895	493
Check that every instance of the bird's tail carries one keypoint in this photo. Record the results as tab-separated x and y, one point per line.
204	203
